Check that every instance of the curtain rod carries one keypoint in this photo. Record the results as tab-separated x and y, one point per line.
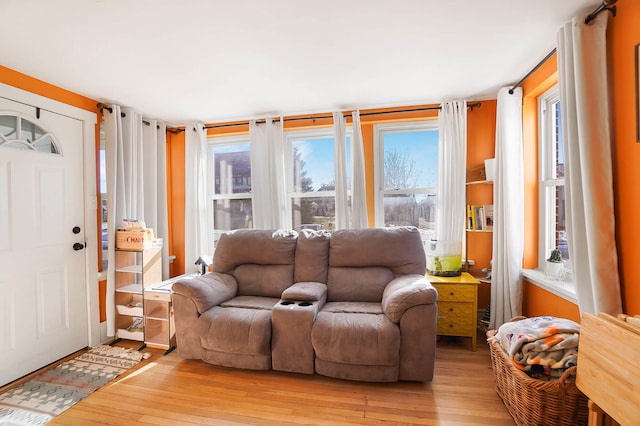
323	117
538	65
102	107
604	6
471	106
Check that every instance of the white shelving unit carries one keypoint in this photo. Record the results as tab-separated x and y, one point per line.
135	271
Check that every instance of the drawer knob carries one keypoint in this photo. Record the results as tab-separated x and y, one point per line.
450	309
450	325
451	294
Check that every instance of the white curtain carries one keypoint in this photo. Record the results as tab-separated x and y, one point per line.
136	184
154	136
508	200
359	217
195	197
267	174
582	67
452	147
340	160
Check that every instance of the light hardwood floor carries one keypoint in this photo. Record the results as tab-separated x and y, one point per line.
168	390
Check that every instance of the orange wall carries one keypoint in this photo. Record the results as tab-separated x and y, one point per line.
623	35
481	136
537	302
176	198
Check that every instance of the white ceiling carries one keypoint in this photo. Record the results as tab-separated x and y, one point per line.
212	60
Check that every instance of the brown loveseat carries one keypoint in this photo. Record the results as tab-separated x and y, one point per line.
352	304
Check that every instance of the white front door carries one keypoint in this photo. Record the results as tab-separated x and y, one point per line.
43	294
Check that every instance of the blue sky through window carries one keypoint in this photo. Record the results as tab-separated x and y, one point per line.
421	147
318	157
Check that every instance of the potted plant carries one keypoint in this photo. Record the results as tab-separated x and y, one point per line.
554	266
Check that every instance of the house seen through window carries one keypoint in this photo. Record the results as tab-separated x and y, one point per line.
229	202
553	229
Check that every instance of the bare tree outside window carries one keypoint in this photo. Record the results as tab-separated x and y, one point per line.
408	171
400	170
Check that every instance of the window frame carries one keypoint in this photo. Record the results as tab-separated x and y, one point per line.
212	143
378	135
25	144
546	178
289	138
563	287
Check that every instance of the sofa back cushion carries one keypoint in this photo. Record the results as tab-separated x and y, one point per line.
312	256
357	284
262	261
363	261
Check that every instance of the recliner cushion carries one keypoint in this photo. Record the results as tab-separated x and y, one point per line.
251	302
397	248
237	330
312	256
360	338
263	280
362	284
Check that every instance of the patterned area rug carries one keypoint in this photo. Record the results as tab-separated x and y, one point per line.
45	396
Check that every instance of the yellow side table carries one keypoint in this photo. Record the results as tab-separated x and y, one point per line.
457	305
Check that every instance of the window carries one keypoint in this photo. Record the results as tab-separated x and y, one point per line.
406	164
552	226
21	133
311	178
229	200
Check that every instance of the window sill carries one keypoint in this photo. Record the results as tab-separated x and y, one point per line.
560	288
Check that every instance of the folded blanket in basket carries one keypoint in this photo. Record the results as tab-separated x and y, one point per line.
541	343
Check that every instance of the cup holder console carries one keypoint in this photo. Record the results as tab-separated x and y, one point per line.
291	302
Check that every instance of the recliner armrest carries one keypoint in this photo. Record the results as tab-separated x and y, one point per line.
207	290
406	292
306	291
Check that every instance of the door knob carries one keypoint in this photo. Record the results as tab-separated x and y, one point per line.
78	246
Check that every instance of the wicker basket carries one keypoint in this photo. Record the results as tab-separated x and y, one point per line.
537	402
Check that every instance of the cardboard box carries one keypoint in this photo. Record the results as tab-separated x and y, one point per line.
136	239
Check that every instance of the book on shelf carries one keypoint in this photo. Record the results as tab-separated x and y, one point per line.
488	216
480	217
471	217
479	211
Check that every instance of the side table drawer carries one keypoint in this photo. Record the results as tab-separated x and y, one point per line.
448	310
456	327
161	296
455	293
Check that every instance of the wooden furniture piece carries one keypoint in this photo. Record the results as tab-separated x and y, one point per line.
135	270
159	323
608	372
479	196
457	305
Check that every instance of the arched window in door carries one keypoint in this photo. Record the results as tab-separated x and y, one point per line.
19	131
